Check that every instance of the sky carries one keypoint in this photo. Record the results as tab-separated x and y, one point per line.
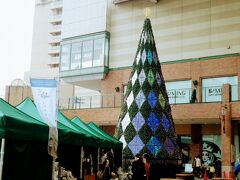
16	20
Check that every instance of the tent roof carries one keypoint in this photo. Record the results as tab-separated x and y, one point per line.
104	142
118	144
15	124
67	134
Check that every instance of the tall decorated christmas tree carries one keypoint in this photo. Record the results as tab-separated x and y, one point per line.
145	124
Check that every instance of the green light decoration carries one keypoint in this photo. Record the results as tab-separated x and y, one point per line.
145	124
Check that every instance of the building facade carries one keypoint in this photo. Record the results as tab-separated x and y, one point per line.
92	44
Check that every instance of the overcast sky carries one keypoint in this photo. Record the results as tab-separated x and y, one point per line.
16	19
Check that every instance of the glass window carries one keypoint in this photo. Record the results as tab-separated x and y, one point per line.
98	57
179	91
76	55
65	57
87	54
212	88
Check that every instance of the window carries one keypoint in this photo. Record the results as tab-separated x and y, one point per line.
65	57
212	88
179	91
76	55
98	52
87	54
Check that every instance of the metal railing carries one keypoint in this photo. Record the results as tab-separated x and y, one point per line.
95	101
175	96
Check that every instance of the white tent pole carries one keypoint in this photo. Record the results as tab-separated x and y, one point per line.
2	157
98	158
81	162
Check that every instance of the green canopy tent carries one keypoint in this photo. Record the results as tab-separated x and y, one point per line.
69	154
117	145
25	147
104	142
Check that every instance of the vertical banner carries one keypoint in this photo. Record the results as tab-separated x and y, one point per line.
45	97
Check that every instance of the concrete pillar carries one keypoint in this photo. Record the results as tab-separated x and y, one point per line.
226	132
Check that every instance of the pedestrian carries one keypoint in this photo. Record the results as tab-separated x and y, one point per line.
108	166
138	168
147	164
197	165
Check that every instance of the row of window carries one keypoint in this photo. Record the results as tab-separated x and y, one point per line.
84	54
181	91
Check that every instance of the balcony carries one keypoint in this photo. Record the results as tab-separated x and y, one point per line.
56	4
53	61
54	39
53	50
56	18
55	29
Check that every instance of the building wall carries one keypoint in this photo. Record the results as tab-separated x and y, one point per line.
83	17
183	29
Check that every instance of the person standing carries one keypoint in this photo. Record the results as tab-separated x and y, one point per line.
138	168
108	166
147	164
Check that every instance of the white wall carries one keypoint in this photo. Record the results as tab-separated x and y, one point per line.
182	29
82	17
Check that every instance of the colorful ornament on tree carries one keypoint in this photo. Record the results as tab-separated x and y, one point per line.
146	124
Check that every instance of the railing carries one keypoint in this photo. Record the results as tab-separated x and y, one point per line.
214	93
95	101
175	96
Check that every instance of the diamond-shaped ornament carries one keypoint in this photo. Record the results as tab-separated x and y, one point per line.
169	146
152	99
142	77
125	122
155	59
158	79
144	56
130	99
165	122
138	121
134	78
140	99
161	100
122	139
136	145
151	77
149	56
154	146
152	121
138	57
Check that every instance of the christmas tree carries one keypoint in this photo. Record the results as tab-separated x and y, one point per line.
145	124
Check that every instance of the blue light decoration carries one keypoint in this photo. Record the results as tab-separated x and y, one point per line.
152	121
149	56
154	145
169	146
138	121
142	77
140	99
136	145
165	122
144	56
152	99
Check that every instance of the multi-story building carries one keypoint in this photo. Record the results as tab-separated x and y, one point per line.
198	41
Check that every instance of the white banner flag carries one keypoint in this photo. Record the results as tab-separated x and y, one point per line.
45	97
